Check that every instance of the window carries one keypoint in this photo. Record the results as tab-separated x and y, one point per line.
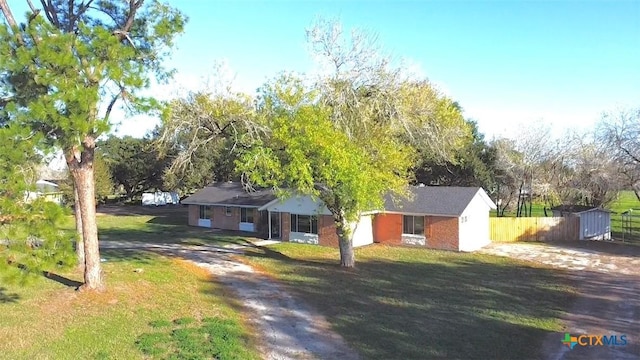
227	211
413	225
205	212
304	224
246	215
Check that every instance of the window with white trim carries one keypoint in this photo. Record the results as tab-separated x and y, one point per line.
304	224
227	211
246	215
205	212
413	225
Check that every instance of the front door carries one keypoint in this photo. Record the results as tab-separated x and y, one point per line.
275	225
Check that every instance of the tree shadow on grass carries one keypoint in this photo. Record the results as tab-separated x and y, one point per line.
459	308
62	280
8	297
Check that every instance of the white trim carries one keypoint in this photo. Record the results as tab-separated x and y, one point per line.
204	222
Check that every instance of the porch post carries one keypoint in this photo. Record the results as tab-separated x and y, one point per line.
269	216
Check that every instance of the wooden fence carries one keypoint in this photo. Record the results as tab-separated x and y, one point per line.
509	229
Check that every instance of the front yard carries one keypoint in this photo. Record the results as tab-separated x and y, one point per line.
154	307
399	303
402	303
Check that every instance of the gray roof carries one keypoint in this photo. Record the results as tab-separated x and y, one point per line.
230	194
436	200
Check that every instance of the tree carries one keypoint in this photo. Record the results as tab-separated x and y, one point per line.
472	165
304	152
103	180
203	133
133	163
621	133
74	57
31	240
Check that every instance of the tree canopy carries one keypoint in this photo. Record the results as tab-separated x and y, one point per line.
64	70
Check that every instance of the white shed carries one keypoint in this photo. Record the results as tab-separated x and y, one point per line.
595	222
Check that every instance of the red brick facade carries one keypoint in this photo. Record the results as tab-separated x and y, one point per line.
443	233
285	220
220	219
387	229
327	235
440	232
194	214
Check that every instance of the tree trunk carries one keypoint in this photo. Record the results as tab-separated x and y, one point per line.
81	165
80	241
345	240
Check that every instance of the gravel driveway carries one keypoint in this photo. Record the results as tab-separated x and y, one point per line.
607	277
289	329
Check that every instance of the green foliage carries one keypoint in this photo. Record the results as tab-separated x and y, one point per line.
190	339
305	151
31	240
201	133
103	182
473	164
134	163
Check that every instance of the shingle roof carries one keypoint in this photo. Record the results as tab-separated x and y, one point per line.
435	200
230	194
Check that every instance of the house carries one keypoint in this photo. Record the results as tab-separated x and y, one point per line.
48	190
595	222
437	217
452	218
228	206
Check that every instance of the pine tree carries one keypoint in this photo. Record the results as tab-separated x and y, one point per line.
67	62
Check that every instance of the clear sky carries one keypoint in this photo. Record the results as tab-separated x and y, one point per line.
508	63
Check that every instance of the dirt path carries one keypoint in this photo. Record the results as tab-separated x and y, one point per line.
608	303
289	329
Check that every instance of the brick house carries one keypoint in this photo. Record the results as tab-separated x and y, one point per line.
437	217
451	218
300	219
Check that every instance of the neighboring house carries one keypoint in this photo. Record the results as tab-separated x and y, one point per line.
452	218
595	222
45	189
438	217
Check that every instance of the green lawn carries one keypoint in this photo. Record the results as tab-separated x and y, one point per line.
626	200
154	307
408	303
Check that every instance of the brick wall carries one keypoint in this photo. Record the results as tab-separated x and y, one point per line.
286	226
387	229
220	219
194	214
442	232
327	235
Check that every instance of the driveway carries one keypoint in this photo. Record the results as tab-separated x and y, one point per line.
607	278
288	328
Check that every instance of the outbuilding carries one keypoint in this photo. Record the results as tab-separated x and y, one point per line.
595	222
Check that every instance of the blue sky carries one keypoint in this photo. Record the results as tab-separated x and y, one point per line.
508	63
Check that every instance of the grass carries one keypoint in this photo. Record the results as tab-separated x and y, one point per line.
146	294
408	303
626	200
165	224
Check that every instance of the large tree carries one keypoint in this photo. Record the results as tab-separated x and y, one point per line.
134	163
620	132
472	165
64	70
304	152
203	133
